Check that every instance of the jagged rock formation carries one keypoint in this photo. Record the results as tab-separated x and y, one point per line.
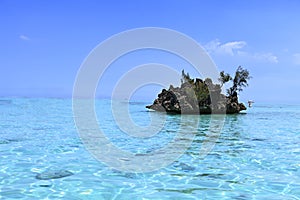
196	97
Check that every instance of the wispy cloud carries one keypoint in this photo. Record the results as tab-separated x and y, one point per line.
269	57
229	48
235	48
261	57
296	58
24	37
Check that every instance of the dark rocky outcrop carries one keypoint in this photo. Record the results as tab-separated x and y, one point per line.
196	97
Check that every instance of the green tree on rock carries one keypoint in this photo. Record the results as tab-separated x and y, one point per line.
224	78
239	82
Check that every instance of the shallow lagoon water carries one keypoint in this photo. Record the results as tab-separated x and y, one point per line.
256	156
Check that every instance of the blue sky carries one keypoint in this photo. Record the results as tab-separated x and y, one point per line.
43	43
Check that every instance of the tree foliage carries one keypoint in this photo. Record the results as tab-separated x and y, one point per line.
240	81
205	89
224	78
199	87
186	78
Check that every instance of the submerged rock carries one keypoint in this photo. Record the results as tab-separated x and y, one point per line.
53	174
185	167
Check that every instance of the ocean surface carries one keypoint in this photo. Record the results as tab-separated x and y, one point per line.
253	156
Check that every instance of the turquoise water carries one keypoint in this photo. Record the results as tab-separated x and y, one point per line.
256	156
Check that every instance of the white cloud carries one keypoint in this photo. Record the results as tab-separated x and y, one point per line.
268	57
229	48
296	58
235	48
261	57
24	37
